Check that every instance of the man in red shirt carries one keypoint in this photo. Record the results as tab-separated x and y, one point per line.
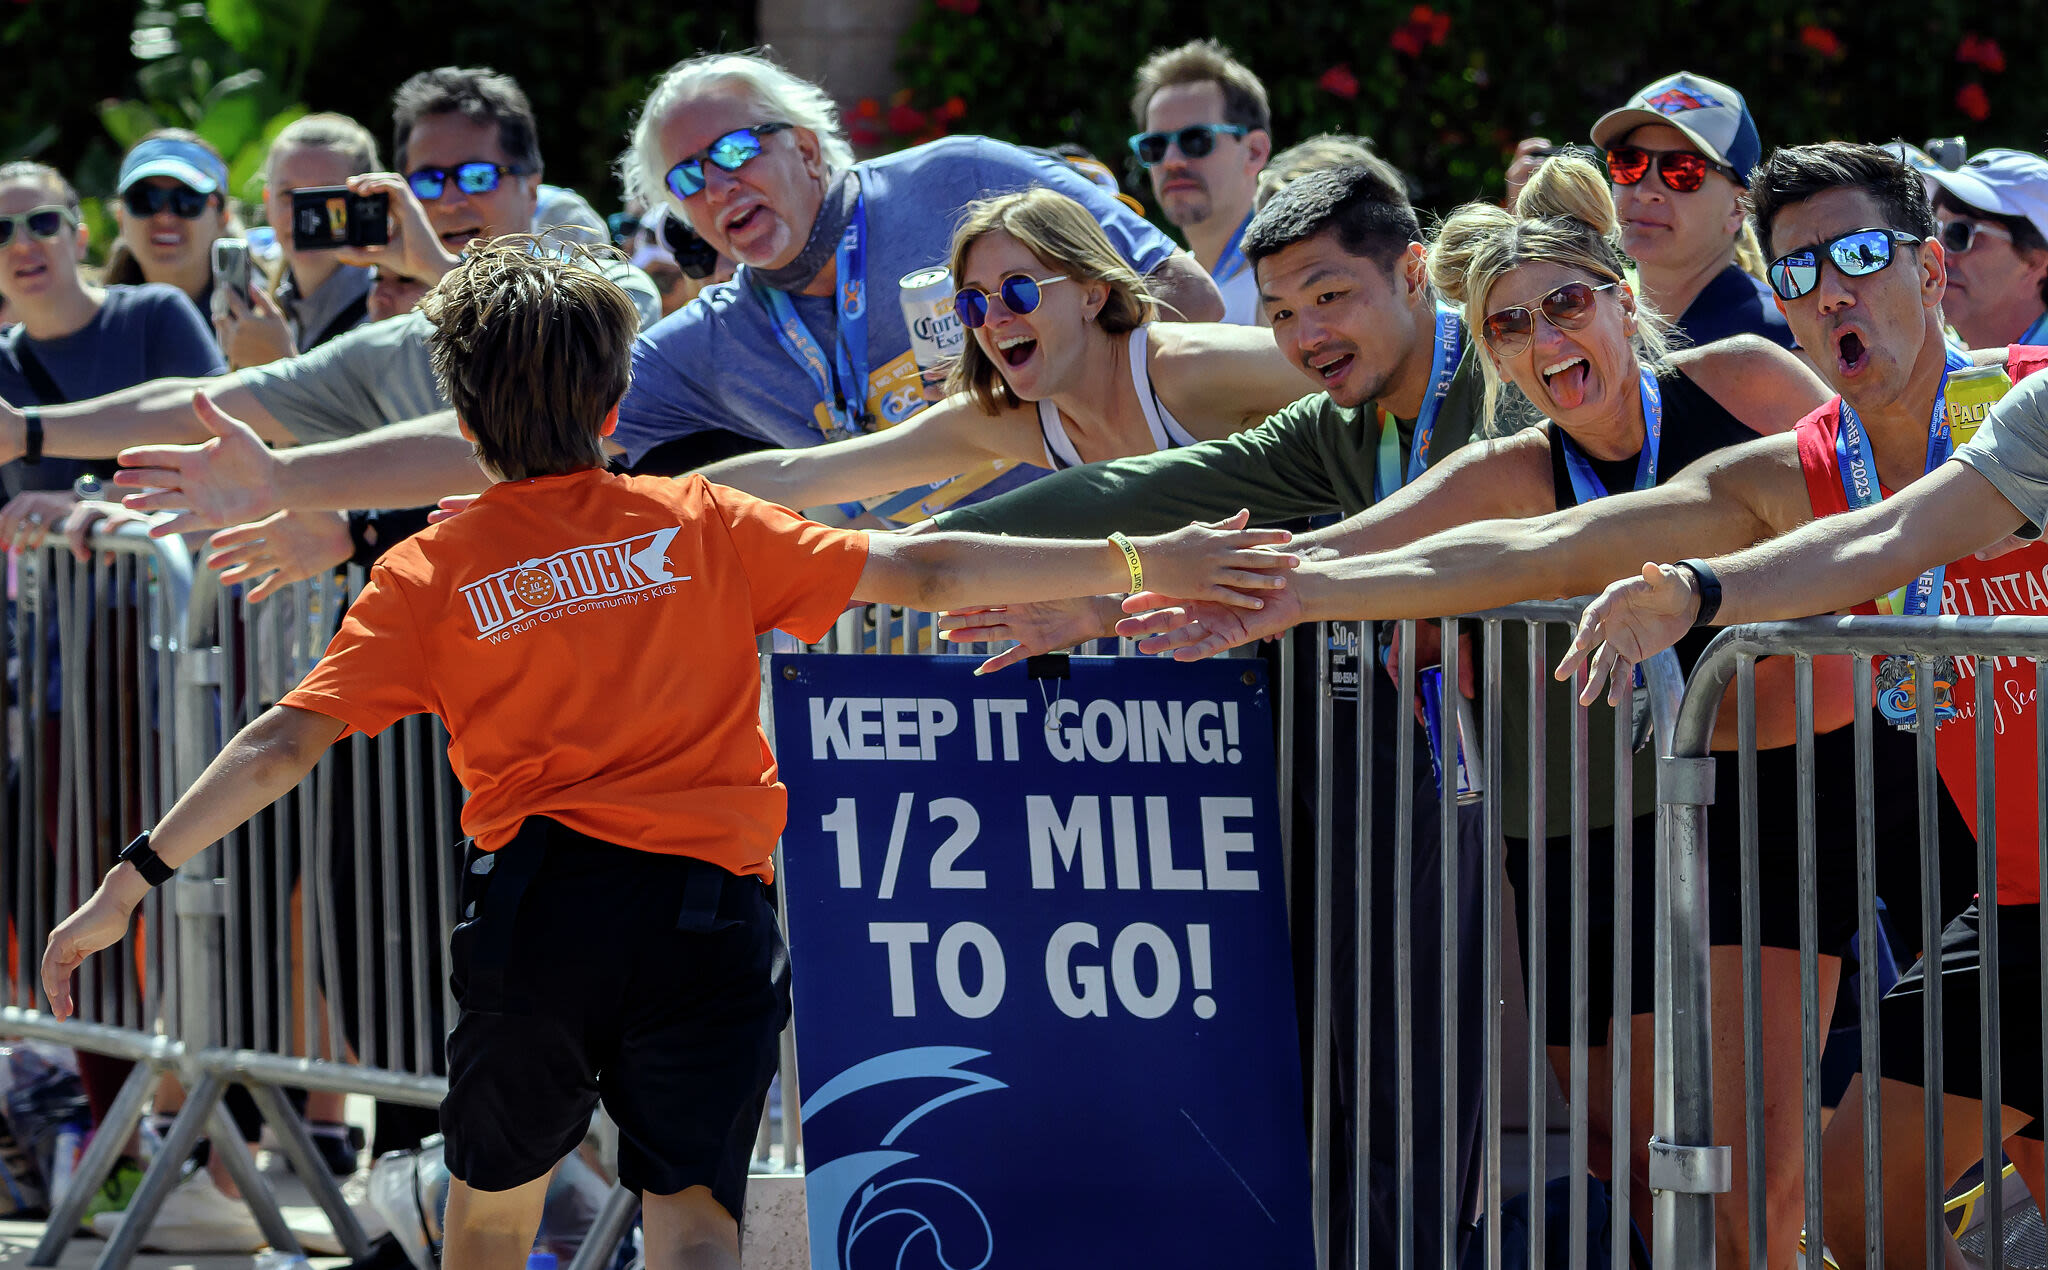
590	642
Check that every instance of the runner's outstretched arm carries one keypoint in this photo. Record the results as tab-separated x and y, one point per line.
1827	565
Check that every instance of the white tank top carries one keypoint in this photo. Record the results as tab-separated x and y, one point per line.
1167	434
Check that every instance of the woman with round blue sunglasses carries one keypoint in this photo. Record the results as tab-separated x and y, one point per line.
1063	364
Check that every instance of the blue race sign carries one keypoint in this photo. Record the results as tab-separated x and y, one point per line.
1044	1008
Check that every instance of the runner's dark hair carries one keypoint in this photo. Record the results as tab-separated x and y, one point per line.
1366	203
1790	175
478	94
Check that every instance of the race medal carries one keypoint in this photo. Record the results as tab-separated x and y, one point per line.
1897	690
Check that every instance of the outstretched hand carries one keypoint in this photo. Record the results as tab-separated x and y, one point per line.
1221	561
229	480
99	923
1632	621
1044	627
283	548
1194	629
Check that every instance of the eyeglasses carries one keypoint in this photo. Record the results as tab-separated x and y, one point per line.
730	152
1568	308
148	200
1682	171
42	222
1020	293
1194	141
475	177
1958	236
1856	253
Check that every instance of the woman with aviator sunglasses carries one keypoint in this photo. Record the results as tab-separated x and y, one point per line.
171	206
1544	287
1064	364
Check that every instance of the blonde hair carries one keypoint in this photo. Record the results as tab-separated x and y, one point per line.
1565	216
326	131
1749	253
1066	238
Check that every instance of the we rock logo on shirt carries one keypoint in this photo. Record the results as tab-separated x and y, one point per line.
582	579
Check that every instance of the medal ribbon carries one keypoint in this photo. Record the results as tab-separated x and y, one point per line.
1860	483
2036	333
1445	357
842	382
1232	262
1586	483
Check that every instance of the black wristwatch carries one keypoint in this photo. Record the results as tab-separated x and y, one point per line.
1709	587
146	861
31	435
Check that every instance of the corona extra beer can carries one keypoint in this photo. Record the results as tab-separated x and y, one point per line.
936	335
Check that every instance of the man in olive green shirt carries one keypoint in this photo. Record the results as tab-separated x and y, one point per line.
1343	282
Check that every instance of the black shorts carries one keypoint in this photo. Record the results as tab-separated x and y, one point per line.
1902	1024
586	971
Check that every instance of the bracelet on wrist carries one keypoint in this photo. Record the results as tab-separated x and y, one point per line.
1707	585
1131	562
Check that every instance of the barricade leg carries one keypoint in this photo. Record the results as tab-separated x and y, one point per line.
610	1226
312	1171
241	1166
97	1162
164	1173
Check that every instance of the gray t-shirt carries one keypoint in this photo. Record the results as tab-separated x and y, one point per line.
2011	451
378	374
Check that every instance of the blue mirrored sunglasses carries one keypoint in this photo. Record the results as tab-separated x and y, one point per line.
1020	293
731	152
1856	253
471	178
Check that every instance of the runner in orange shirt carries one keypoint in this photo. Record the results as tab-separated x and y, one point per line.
590	642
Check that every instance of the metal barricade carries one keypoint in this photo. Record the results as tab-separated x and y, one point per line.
1412	988
1892	1141
95	742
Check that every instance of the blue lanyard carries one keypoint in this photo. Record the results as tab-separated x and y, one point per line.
1586	483
1232	262
1444	360
1860	483
842	382
2036	332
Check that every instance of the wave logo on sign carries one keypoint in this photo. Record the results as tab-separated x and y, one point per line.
902	1221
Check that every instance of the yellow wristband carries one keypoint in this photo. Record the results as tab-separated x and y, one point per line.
1131	562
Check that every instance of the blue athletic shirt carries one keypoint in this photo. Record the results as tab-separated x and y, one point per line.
716	362
1734	303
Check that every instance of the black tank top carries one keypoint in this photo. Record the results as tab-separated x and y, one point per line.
1695	425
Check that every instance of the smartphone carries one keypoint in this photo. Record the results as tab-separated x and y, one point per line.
329	216
230	272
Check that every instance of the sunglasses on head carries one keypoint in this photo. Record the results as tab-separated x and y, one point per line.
1195	141
1959	236
730	152
41	222
1856	253
148	200
1020	292
477	177
1568	308
1682	171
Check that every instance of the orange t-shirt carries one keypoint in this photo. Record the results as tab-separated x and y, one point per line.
589	641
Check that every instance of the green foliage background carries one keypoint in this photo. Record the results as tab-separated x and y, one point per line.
1052	70
1444	88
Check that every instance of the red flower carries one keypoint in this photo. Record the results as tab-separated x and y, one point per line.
968	7
863	136
954	108
1981	51
1425	28
868	108
905	120
1339	81
1822	41
1407	41
1970	99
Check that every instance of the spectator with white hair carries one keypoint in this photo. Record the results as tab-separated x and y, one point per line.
810	344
